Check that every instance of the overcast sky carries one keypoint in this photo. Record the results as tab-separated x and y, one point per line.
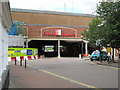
76	6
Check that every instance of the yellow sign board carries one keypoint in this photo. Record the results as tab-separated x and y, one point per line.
108	49
10	53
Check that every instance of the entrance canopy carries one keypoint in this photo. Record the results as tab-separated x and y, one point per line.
54	39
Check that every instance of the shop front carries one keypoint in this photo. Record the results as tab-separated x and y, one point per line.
57	41
54	33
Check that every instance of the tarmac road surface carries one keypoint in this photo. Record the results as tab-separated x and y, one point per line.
78	72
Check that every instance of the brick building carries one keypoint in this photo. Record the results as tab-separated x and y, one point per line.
54	33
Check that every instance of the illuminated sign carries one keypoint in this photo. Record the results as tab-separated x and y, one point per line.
58	32
49	48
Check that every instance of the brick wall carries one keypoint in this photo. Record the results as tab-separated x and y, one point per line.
51	19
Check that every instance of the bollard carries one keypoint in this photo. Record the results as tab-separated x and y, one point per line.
81	56
15	61
25	63
20	62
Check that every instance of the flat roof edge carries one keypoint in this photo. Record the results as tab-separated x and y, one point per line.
57	25
51	12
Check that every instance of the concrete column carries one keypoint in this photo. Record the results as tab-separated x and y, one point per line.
58	48
86	47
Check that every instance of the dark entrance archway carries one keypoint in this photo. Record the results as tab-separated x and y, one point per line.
49	48
72	49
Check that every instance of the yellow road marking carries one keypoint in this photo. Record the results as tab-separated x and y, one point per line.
109	67
103	65
89	86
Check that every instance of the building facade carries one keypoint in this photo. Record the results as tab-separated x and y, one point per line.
5	24
57	30
16	35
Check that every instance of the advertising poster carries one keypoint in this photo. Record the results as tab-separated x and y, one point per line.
49	49
35	52
29	52
17	52
11	53
24	52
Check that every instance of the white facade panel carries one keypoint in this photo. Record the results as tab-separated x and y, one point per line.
16	41
0	52
4	48
5	24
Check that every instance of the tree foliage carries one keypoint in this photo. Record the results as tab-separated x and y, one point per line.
108	28
110	13
92	35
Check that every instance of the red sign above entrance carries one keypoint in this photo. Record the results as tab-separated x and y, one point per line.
58	32
54	34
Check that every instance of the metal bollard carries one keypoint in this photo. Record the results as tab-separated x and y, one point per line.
20	62
15	61
25	63
81	56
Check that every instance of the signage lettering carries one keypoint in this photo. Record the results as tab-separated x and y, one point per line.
54	34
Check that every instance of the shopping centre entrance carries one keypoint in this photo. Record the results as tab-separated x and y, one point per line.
62	48
57	41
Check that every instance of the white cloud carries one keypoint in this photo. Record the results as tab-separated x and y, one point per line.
78	6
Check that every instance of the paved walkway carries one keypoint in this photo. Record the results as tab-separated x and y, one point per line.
21	77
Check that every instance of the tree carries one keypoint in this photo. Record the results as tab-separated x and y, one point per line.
110	13
94	33
109	32
106	27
